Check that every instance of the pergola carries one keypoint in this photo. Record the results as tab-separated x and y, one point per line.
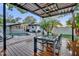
43	10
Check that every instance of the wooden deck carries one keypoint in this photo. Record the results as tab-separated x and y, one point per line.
19	46
20	49
23	46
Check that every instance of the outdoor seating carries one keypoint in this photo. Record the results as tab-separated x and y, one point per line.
49	45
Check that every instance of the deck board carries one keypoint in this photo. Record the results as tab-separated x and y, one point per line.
8	53
12	51
26	48
17	51
23	48
21	51
27	52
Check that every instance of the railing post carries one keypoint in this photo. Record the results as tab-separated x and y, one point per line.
4	29
35	46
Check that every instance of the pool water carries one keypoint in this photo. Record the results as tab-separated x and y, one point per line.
19	34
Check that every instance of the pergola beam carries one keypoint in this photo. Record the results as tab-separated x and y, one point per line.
45	6
60	13
62	8
57	5
42	9
48	13
15	4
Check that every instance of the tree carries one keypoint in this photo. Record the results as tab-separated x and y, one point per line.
77	24
69	23
11	19
48	23
77	20
1	19
17	19
29	20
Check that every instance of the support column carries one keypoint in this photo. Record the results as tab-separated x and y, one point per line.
73	26
73	39
4	29
35	46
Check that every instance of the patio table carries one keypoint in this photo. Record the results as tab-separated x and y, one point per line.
45	39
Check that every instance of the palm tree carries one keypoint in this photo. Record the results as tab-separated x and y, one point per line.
69	23
48	23
77	20
77	24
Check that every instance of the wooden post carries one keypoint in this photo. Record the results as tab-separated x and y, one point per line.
35	46
4	29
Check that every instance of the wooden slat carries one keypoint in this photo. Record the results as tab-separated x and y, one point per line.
18	52
8	52
21	50
11	51
15	51
27	49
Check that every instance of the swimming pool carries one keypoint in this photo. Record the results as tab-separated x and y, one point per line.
19	33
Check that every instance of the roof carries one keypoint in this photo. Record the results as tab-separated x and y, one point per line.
34	24
47	9
12	24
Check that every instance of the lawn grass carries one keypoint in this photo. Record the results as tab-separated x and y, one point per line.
69	37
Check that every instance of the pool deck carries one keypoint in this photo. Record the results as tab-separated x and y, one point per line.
23	46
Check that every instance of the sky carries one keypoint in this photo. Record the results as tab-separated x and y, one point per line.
16	13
